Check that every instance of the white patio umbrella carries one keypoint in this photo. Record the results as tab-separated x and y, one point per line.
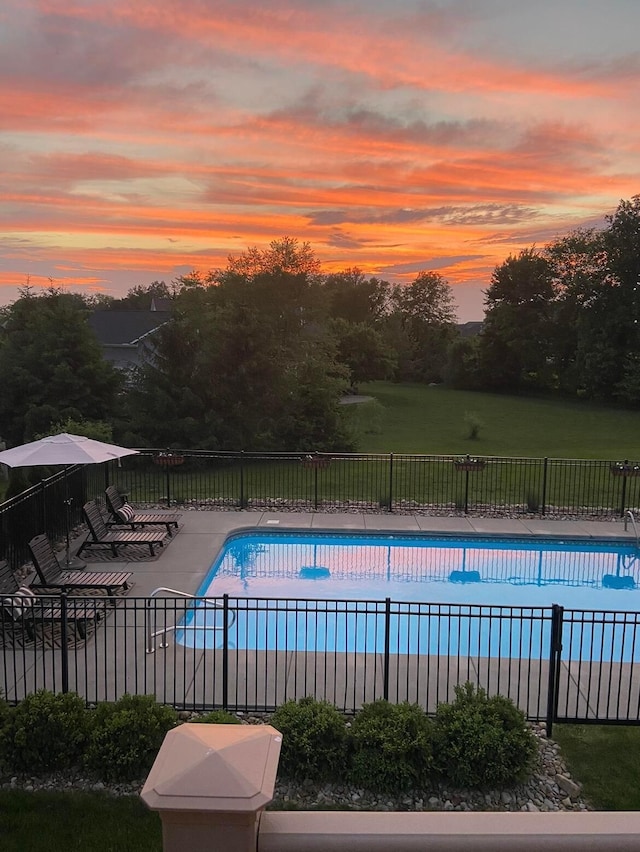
66	450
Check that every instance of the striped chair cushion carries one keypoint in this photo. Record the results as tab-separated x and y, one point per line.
20	601
126	514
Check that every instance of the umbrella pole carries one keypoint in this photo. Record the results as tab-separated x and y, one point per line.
69	563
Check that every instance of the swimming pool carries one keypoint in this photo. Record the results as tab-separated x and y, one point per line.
440	569
442	587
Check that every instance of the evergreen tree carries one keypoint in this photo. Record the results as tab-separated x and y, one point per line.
51	366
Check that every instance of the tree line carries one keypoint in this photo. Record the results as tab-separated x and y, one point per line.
257	355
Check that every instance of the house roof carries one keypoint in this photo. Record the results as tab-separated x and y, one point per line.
125	327
469	329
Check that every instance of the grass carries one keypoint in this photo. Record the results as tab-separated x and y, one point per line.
605	760
63	822
434	420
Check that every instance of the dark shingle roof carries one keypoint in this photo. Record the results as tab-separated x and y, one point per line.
119	327
469	329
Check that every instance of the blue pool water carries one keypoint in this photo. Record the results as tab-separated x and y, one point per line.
469	584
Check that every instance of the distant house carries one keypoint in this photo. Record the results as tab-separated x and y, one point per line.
469	329
126	337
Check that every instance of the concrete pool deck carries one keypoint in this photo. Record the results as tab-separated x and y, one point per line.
202	534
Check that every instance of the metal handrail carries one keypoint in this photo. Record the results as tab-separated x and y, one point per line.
629	514
152	632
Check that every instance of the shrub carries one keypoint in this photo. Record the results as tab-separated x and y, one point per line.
533	501
364	418
313	739
473	425
384	501
390	747
219	717
126	735
481	741
46	732
4	734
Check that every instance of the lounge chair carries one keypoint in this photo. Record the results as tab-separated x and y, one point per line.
51	575
122	513
100	536
22	610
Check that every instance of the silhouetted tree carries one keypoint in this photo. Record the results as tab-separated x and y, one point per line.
515	341
51	366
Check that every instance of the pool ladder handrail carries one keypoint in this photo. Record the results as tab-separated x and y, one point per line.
152	632
629	515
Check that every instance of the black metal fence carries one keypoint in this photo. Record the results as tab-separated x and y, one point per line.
53	506
400	483
255	653
391	482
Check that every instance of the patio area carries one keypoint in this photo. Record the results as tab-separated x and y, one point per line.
185	562
114	657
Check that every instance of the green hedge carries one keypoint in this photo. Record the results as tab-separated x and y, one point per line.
475	741
314	737
391	747
118	741
481	741
45	732
126	736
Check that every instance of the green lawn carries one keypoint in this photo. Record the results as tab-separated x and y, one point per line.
606	760
430	420
416	419
63	822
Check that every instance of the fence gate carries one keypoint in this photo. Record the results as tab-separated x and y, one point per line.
597	659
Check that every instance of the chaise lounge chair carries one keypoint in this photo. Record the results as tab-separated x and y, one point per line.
22	610
100	536
123	513
51	575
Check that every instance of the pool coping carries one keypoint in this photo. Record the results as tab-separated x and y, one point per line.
203	534
266	529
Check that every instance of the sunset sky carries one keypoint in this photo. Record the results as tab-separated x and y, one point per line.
142	140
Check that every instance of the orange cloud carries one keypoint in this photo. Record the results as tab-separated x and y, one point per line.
145	139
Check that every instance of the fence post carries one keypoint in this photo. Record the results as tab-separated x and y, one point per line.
315	487
168	481
543	506
553	685
225	652
64	650
242	497
107	478
623	494
391	482
387	639
466	492
43	508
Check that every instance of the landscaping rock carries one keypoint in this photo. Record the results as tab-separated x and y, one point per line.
570	787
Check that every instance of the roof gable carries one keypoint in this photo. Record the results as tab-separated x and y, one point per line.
125	327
